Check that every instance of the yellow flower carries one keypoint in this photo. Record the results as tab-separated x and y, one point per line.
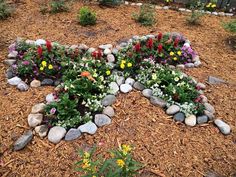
112	155
179	53
172	53
41	68
86	155
85	161
122	65
108	72
123	61
175	58
129	65
213	5
86	165
50	66
126	149
120	163
93	176
44	63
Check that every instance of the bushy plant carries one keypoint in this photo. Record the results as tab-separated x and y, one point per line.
86	17
230	26
5	10
194	18
146	15
57	6
110	3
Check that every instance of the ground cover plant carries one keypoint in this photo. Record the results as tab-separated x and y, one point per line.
5	10
86	17
146	15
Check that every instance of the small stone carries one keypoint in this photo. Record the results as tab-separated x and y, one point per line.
209	115
157	101
201	86
83	47
9	73
171	66
22	86
172	109
105	46
215	80
74	47
89	128
209	107
202	119
221	14
223	127
143	38
182	9
72	134
204	98
57	82
108	100
189	65
135	38
120	80
139	4
197	63
181	66
188	10
107	51
35	83
123	44
113	88
12	54
50	98
47	82
208	12
40	42
101	120
14	81
41	130
147	93
115	51
109	111
23	140
91	50
191	120
126	3
229	14
110	58
137	85
10	62
215	13
56	134
150	36
130	81
125	88
165	8
179	117
30	42
35	119
158	7
133	4
38	108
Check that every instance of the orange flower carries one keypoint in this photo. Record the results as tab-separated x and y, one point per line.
85	74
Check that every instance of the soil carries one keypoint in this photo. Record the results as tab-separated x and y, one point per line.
165	148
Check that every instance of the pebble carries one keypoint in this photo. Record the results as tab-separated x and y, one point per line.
158	7
150	36
83	47
12	54
47	82
57	82
113	88
189	65
89	128
50	98
191	120
223	127
172	109
40	42
179	117
196	58
107	51
72	134
130	81
110	58
23	140
108	100
197	63
30	42
215	80
135	38
137	85
56	134
204	98
10	62
120	80
209	115
165	7
35	83
201	86
101	120
180	66
91	50
35	119
41	130
126	3
14	81
125	88
38	108
139	4
22	86
109	111
9	73
115	51
105	46
209	107
202	119
182	9
147	93
215	13
157	101
74	47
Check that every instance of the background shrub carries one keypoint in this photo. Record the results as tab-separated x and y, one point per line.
86	17
146	16
230	26
110	3
58	6
194	18
5	10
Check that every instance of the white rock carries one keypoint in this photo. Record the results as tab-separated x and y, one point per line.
209	107
10	62
197	63
22	86
158	7
120	80
30	42
165	8
101	120
89	128
130	81
182	9
191	120
91	50
40	42
107	51
186	44
223	127
105	46
215	13
41	130
180	66
35	119
35	83
147	93
56	134
109	111
50	98
113	88
14	81
125	88
126	3
13	54
201	86
172	109
110	58
139	4
38	108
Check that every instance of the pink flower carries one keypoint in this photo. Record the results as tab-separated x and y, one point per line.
53	111
25	62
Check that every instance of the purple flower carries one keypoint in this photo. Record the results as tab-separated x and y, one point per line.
14	66
25	62
12	47
53	111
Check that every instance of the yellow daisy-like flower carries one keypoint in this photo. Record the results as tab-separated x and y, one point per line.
41	68
123	61
50	66
86	155
108	72
85	161
126	149
172	53
86	165
44	63
213	5
175	58
179	53
120	163
122	65
129	65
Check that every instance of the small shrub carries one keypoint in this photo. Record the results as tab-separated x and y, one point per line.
58	6
110	3
43	8
5	10
230	26
146	15
86	17
195	17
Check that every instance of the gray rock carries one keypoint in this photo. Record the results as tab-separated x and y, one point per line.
35	83
180	66
173	109
201	86
115	51
120	80
209	108
189	11
165	7
197	63
223	127
57	82
157	101
23	140
179	117
171	66
137	85
109	111
105	46
101	120
40	42
191	120
221	14
89	128
125	88
41	130
135	38
72	134
9	73
215	13
83	47
147	93
202	119
14	81
74	47
215	80
22	86
196	58
209	115
108	100
130	81
35	119
113	88
38	108
204	98
229	14
110	58
13	54
91	50
107	51
189	65
10	62
47	82
123	44
50	98
56	134
150	36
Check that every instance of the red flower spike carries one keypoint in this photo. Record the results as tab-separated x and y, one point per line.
40	51
176	42
97	54
150	43
160	47
48	45
159	37
137	47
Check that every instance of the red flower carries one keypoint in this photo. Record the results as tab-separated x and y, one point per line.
159	36
160	47
48	45
150	43
176	42
137	47
97	54
40	51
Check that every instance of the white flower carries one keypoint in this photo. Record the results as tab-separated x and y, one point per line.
154	76
176	79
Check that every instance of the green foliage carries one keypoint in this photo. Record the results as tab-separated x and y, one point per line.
146	15
5	10
110	3
58	6
230	26
194	18
195	4
86	17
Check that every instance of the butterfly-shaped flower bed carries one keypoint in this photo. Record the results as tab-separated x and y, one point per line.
87	81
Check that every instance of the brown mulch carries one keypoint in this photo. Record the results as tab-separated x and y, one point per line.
165	147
